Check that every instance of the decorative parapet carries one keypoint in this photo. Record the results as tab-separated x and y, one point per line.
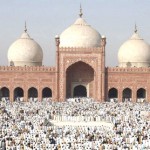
128	69
27	69
80	49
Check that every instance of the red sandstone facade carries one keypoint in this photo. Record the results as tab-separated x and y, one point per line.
78	72
131	83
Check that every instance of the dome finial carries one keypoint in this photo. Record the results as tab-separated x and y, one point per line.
25	27
135	29
80	14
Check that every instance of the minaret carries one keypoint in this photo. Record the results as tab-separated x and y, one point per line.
57	40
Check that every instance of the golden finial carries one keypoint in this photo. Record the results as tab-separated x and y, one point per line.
80	14
135	29
25	27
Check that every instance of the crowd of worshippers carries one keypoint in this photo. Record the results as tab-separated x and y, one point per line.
28	125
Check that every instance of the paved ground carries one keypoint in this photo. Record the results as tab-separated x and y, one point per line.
83	123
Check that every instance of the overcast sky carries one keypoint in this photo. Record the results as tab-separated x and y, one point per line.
46	18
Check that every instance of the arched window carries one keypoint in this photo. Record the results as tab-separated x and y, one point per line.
127	94
5	92
18	93
141	95
113	94
46	92
32	93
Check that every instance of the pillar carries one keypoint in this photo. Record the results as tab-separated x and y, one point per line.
134	95
11	95
25	95
119	95
147	94
39	94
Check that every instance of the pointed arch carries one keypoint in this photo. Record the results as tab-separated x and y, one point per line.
79	61
18	93
127	94
141	95
46	92
32	92
113	94
5	93
80	91
79	73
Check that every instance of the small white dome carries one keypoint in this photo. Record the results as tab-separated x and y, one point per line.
80	34
134	52
25	52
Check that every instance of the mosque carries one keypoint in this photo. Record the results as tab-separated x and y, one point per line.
80	69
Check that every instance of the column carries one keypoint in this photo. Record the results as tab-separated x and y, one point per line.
39	94
134	95
25	95
11	95
120	95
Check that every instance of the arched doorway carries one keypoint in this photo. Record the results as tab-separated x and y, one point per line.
80	73
141	95
113	94
5	93
127	94
18	94
46	92
32	93
80	91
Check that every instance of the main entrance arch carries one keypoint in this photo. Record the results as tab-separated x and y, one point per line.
80	91
79	74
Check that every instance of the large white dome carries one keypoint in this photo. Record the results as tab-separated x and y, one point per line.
134	52
25	52
80	34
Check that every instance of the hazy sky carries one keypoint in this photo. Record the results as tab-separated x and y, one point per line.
46	18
